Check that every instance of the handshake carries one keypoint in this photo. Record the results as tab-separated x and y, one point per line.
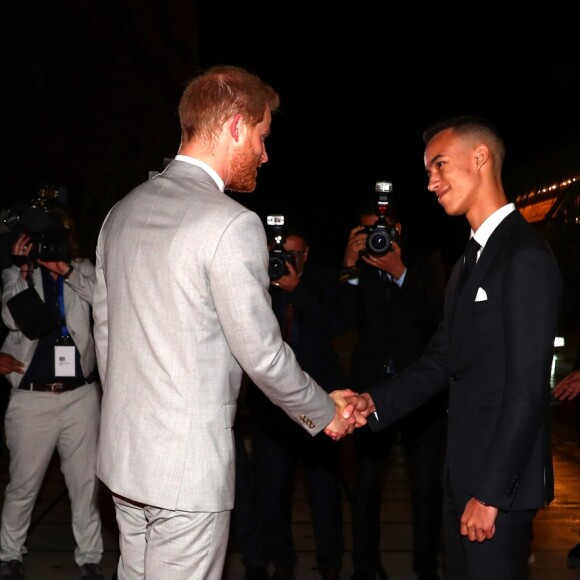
352	410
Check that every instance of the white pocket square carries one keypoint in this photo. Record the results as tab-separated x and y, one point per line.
481	295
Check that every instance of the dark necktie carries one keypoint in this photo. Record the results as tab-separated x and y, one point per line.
384	276
470	257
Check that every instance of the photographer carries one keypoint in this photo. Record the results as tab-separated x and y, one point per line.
394	298
305	301
55	402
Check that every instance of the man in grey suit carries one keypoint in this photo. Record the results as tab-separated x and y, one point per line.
181	308
494	350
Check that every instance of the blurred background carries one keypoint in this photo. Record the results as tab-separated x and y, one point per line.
91	92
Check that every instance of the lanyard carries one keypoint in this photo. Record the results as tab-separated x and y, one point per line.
60	292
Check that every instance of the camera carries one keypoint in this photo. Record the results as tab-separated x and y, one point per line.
40	219
381	235
278	255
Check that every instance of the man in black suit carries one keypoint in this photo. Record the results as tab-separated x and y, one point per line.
395	301
305	301
494	351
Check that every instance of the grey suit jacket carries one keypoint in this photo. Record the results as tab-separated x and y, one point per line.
181	307
78	295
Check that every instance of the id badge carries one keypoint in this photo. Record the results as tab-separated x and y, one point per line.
64	361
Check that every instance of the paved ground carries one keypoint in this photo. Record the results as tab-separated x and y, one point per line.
50	543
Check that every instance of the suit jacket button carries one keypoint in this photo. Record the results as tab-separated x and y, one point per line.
454	377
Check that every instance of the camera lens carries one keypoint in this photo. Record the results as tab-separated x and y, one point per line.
378	242
276	267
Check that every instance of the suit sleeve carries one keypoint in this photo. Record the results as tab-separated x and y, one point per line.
12	284
82	279
100	312
418	383
238	277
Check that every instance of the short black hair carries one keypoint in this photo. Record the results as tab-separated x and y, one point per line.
293	229
460	122
466	124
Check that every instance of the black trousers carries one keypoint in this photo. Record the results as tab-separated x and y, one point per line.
424	445
279	449
246	525
504	557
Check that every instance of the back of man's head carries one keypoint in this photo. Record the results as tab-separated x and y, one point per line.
218	94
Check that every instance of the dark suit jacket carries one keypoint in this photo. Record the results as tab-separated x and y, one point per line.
495	356
395	323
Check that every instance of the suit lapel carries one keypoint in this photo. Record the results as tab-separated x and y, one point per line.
462	306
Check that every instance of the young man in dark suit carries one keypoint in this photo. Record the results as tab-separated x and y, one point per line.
494	351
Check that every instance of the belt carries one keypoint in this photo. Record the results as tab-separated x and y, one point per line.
53	387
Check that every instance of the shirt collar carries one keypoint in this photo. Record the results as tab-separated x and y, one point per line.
488	226
212	172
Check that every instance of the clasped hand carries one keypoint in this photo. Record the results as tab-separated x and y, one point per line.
352	410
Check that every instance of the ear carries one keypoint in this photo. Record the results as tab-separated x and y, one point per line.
481	155
306	253
236	126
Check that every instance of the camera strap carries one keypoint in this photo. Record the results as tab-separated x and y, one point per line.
29	277
60	291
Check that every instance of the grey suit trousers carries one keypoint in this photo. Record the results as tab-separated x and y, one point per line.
158	543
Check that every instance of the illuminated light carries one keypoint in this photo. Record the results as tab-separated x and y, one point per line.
559	342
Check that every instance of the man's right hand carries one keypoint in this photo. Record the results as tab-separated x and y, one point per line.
362	404
352	410
355	243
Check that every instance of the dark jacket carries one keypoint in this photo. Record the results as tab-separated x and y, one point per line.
316	322
495	355
395	324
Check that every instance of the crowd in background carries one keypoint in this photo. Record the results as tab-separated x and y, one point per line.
393	300
249	534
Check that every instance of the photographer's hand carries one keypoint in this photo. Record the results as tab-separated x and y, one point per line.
354	245
289	281
20	250
391	262
59	267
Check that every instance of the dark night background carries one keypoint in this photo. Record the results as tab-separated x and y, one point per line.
91	92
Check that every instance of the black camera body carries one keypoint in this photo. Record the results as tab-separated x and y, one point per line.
278	255
45	227
52	247
382	234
